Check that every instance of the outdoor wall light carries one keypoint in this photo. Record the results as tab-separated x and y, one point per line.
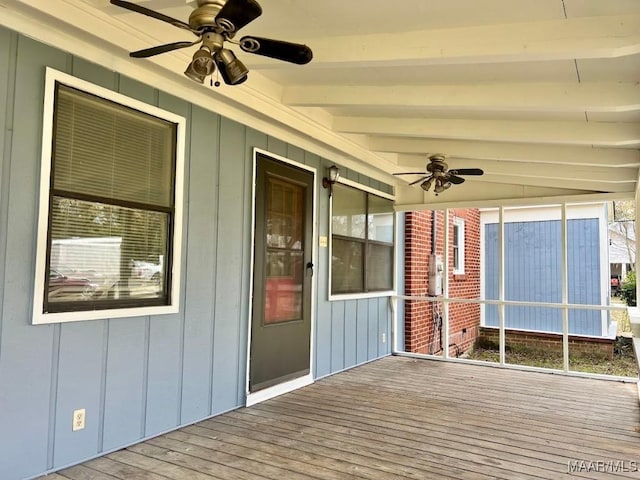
334	174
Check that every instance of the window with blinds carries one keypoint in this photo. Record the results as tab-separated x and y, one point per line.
362	226
111	206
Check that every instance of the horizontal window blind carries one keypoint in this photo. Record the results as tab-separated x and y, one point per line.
107	150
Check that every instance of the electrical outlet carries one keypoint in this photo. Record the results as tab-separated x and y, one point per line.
384	338
78	419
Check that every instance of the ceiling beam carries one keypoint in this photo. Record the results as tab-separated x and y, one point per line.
564	39
513	152
584	185
537	97
551	132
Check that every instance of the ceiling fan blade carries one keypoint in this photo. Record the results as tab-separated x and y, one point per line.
150	13
235	14
466	171
150	52
454	179
408	173
289	52
420	180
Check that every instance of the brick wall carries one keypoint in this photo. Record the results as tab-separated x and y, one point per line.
423	319
547	342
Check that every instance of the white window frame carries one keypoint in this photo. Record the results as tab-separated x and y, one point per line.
459	224
54	77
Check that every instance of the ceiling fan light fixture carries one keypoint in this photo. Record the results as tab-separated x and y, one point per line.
426	185
201	65
441	187
233	71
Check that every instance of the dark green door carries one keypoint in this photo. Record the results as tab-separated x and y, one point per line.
281	323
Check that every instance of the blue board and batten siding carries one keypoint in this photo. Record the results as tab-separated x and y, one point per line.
533	273
137	377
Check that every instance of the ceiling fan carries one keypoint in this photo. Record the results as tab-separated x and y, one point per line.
437	174
215	22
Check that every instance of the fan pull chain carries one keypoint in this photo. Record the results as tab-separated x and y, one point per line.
217	82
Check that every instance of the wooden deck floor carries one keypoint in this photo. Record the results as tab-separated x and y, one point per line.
400	418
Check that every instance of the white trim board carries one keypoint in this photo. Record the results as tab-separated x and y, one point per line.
365	188
39	317
277	390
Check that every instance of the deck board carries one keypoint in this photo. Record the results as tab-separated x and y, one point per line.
401	418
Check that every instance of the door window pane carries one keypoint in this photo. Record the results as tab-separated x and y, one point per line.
285	254
285	204
283	292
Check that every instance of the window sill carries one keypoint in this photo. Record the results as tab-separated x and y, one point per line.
356	296
63	317
460	277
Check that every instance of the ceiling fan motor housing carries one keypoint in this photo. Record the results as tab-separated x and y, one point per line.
205	15
437	165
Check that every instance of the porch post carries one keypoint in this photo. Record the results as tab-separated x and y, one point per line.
565	291
501	269
634	265
445	287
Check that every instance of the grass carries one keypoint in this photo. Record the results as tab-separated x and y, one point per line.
623	362
622	317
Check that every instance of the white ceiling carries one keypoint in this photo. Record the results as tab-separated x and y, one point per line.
544	95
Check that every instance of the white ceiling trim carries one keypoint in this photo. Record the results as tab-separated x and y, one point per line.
577	38
551	97
551	132
566	184
514	152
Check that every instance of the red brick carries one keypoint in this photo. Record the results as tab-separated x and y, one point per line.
420	331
